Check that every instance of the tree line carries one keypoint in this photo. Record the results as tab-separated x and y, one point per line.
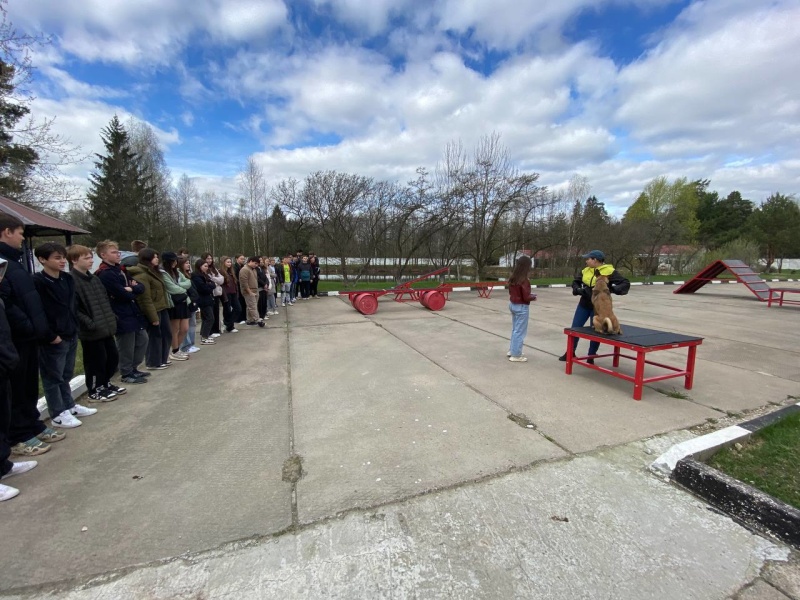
474	206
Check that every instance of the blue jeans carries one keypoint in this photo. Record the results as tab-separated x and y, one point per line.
188	341
579	320
57	365
519	326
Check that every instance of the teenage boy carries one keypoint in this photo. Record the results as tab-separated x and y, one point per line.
9	359
98	324
239	261
284	273
248	284
27	435
122	291
133	259
57	352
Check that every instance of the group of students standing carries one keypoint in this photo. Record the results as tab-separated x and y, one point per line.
141	309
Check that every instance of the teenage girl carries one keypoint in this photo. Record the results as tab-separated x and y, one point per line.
519	291
205	289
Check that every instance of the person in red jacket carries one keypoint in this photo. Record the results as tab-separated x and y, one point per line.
519	291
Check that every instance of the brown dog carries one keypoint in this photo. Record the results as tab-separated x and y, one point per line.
604	321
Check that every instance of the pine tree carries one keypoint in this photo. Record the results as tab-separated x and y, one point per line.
16	160
118	190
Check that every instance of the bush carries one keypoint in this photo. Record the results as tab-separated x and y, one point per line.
741	249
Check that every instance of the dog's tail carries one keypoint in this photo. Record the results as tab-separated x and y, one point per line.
608	326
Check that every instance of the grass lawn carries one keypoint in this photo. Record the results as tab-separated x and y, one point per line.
768	461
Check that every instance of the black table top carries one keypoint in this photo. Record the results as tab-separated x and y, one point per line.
640	336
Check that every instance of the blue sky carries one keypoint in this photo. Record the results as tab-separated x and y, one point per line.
615	91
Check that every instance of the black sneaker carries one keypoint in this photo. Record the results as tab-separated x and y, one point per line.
261	324
563	358
252	323
116	389
130	379
138	373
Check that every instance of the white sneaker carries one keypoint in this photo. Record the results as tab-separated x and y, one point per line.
66	420
7	492
242	323
82	411
193	349
234	330
216	335
18	468
518	358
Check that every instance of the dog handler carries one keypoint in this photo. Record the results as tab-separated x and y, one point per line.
582	286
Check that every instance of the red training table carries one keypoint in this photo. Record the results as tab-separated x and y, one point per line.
778	297
641	341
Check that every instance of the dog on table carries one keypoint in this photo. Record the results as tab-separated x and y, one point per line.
604	321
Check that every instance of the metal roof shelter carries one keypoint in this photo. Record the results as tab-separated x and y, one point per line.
38	224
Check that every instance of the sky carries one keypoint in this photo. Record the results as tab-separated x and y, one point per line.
616	91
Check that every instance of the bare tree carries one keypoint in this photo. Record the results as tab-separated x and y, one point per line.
492	189
253	188
186	205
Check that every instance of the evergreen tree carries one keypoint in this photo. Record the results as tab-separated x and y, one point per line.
776	226
16	160
118	190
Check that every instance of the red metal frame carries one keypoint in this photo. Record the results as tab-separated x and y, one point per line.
779	298
641	351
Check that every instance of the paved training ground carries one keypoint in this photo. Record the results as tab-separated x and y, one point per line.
415	482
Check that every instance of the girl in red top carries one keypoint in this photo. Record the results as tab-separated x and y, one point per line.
519	290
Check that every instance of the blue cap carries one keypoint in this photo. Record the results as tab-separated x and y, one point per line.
596	254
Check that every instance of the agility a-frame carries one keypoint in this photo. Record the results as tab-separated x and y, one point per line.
743	273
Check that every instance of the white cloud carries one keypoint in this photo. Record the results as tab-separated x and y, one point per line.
724	83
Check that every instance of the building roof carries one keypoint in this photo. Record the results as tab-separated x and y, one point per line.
37	223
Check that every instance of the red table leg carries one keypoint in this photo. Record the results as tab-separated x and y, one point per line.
689	380
569	355
638	377
616	356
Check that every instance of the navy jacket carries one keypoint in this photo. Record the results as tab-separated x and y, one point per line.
60	305
123	302
23	304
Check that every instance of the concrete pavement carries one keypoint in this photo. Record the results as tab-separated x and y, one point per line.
415	482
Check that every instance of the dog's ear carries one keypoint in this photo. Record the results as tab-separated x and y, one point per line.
597	272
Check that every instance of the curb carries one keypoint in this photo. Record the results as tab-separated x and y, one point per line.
683	464
78	386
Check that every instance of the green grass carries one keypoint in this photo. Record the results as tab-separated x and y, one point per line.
768	461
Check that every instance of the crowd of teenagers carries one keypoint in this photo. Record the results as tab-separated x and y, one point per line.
140	311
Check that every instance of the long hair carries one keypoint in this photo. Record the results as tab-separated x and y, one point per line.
170	265
146	256
198	271
521	270
226	271
182	260
212	268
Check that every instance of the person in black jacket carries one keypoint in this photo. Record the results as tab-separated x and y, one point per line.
582	286
98	324
205	289
57	351
122	290
9	359
27	435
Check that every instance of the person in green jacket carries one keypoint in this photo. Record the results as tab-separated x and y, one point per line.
154	304
177	286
